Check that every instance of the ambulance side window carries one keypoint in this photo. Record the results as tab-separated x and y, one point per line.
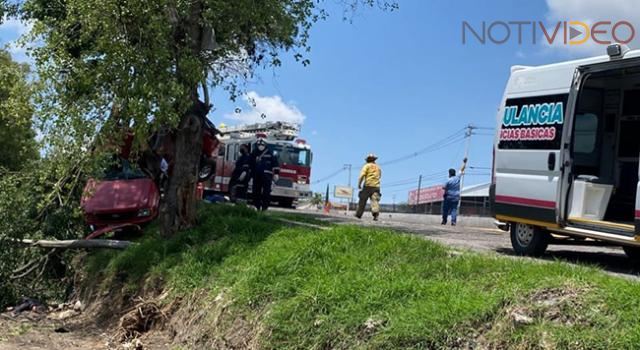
221	149
586	133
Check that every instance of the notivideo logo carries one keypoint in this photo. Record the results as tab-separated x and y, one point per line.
562	32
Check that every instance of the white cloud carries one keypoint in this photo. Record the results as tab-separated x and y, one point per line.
592	11
266	108
11	30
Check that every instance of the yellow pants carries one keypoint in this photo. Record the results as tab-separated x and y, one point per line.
372	193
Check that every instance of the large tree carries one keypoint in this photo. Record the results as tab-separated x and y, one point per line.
148	64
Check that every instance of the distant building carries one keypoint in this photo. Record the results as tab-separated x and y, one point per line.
475	201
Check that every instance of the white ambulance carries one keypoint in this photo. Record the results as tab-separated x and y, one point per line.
566	153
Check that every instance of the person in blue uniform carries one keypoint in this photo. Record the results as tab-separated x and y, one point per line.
241	175
265	170
452	195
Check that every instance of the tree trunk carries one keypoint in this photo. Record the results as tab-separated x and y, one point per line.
178	210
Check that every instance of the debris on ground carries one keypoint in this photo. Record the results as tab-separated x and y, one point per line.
77	306
562	305
371	326
139	320
519	318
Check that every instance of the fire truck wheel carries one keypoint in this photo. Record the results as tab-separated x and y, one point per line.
529	240
633	253
287	203
207	169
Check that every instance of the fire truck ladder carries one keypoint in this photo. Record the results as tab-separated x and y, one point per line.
276	130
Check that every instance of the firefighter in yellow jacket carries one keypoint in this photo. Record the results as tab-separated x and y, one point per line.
370	176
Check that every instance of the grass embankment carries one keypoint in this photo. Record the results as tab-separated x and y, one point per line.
353	287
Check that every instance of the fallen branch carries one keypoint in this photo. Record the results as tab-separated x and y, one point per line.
77	243
32	266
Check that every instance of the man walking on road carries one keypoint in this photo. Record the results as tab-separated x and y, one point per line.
370	175
452	195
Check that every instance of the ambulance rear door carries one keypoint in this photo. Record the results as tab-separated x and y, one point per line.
528	147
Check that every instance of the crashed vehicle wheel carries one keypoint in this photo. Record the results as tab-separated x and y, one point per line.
207	169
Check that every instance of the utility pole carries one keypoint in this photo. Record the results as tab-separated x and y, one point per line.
348	167
394	202
418	195
468	134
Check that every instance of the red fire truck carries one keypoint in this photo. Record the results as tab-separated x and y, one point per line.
294	156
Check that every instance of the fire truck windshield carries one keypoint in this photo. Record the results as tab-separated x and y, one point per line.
291	155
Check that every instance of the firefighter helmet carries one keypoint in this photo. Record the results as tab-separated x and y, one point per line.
371	157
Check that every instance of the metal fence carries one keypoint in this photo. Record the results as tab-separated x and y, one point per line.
470	206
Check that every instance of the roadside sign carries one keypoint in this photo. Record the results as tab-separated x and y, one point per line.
427	195
343	192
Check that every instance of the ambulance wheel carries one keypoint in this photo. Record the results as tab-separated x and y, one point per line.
633	253
529	240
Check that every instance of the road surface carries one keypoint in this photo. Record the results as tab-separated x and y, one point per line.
479	234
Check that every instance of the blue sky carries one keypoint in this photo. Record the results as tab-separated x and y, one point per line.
393	83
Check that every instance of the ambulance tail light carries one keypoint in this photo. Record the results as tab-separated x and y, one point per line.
303	180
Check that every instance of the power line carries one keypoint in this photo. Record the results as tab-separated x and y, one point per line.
399	184
449	140
479	168
386	184
330	176
483	128
454	138
424	151
407	181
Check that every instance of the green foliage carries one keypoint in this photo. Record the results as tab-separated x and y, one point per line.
17	138
318	198
38	196
34	205
320	289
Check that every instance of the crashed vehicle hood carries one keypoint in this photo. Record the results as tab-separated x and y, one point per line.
105	196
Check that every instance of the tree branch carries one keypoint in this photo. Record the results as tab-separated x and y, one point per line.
77	243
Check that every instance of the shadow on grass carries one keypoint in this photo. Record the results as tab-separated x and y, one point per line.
608	261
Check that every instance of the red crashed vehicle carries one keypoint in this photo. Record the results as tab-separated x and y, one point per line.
124	198
129	197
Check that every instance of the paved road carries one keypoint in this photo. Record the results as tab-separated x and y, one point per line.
479	235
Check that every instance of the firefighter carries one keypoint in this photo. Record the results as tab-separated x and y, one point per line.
369	175
264	170
241	175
